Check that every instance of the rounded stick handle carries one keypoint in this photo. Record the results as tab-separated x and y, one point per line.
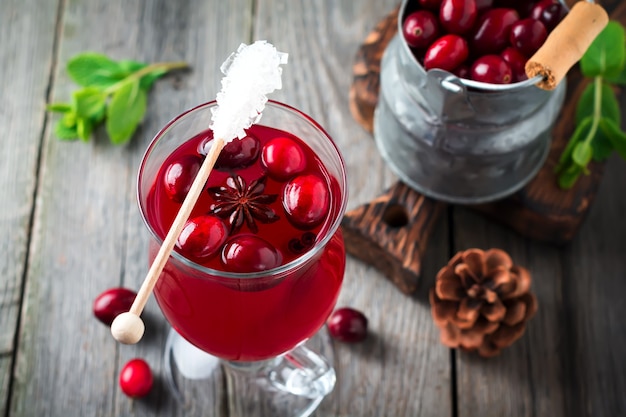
567	43
128	327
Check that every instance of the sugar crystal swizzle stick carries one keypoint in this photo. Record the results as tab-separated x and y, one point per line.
252	72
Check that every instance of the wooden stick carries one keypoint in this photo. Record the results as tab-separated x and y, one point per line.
567	43
128	328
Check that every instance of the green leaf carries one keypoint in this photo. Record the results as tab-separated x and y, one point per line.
69	119
91	69
615	135
617	79
84	127
582	154
605	55
582	130
59	107
568	178
90	103
609	106
64	132
125	111
602	146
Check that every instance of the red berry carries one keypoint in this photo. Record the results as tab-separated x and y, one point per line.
347	325
306	200
202	236
113	302
250	253
420	29
238	153
493	30
528	35
458	16
446	53
430	4
552	15
517	62
283	157
462	71
492	69
136	378
179	176
539	7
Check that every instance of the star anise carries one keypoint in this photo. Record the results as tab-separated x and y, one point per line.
241	203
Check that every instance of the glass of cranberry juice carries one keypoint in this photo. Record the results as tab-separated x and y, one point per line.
258	267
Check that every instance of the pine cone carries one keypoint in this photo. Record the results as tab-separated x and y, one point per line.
481	301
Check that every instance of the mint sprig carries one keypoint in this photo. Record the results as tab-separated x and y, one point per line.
112	92
598	116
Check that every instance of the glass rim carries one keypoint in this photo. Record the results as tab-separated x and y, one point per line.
269	273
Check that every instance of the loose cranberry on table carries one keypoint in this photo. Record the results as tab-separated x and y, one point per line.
113	302
179	176
202	236
492	69
136	378
420	29
446	53
250	253
458	16
306	200
347	325
492	31
283	157
527	35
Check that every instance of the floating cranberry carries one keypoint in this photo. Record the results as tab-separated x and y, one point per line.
202	236
430	4
420	29
347	325
113	302
179	176
458	16
492	31
446	53
527	35
250	253
492	69
136	378
306	200
283	157
517	62
239	153
552	15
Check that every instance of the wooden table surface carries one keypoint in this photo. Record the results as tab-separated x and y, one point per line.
70	228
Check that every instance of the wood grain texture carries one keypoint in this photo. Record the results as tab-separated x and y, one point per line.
26	52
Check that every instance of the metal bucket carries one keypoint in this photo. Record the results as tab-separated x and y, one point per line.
458	140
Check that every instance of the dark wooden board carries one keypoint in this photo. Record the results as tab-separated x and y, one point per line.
541	210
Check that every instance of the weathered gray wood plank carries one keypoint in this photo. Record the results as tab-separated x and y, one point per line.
401	370
88	234
569	362
26	30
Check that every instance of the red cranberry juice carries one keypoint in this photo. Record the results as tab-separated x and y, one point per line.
267	202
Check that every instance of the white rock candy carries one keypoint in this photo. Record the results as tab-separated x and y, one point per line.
251	73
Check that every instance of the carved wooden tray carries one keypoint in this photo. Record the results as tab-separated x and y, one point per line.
391	232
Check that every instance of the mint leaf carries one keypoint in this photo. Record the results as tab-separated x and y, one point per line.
609	106
581	131
601	145
126	110
59	107
84	127
617	79
91	69
582	154
89	102
605	55
568	178
64	132
615	135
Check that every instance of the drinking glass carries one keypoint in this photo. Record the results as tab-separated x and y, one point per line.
253	324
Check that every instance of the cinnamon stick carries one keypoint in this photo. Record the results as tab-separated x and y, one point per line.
567	43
